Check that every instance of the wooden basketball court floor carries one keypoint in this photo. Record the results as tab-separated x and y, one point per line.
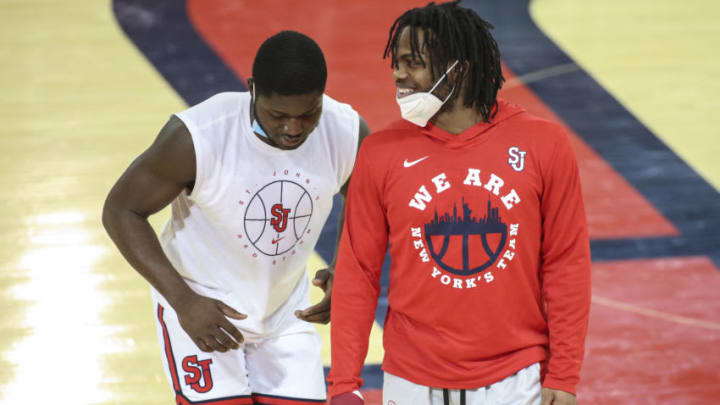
85	86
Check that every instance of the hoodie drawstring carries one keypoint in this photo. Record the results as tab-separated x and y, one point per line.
446	397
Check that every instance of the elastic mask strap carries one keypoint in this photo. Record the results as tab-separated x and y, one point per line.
256	124
439	80
449	95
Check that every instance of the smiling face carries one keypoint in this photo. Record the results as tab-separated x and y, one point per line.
288	120
412	73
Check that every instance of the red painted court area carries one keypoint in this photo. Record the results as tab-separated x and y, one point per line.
655	324
654	333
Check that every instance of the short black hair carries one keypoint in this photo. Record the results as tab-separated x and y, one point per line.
452	33
289	63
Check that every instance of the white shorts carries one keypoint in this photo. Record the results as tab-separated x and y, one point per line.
285	369
521	388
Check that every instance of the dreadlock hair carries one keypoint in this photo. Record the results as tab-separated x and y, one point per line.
452	33
289	63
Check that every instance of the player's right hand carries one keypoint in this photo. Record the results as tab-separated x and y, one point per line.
204	320
348	398
556	397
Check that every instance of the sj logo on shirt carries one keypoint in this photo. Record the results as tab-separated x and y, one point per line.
279	217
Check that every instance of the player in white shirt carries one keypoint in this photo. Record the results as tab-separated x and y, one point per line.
251	177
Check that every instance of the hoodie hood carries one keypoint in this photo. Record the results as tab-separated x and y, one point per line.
473	135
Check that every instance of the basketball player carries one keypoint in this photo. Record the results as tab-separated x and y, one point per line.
489	283
251	177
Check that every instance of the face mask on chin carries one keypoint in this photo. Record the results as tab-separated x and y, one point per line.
418	108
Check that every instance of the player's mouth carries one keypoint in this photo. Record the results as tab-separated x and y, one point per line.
404	92
291	141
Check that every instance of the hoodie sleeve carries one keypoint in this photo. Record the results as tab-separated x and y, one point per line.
356	286
565	269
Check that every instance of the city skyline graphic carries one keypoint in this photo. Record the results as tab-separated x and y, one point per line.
451	226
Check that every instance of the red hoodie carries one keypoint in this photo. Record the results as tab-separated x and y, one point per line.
490	255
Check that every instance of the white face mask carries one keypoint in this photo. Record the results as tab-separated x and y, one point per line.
256	126
418	108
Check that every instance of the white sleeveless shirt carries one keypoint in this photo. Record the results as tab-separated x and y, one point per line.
245	233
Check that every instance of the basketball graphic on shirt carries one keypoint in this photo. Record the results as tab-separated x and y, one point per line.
277	216
466	245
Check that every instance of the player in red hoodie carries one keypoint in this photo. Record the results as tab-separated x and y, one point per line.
481	205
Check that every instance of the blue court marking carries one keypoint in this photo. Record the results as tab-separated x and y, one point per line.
162	31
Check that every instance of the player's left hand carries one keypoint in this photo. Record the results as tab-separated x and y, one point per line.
557	397
320	312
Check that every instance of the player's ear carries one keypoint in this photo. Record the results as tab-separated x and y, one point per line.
462	66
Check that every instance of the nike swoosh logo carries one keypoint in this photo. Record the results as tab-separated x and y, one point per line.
274	241
414	162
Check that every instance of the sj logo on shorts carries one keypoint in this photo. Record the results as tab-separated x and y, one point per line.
198	371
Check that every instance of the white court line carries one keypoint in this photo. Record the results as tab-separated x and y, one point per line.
541	74
655	314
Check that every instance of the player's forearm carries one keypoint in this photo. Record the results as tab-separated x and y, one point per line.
567	325
356	285
355	293
565	267
138	243
566	291
352	316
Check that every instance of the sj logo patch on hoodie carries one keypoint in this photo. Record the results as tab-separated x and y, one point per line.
516	158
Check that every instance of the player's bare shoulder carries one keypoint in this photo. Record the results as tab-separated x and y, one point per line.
155	178
172	155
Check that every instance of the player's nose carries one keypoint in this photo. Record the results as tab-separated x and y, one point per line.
399	74
293	126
